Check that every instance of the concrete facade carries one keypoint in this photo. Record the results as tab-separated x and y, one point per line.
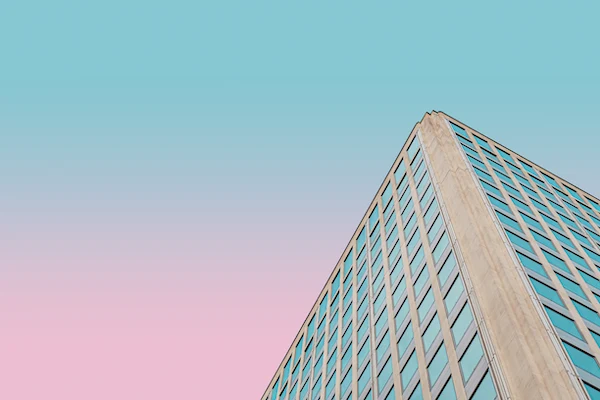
458	285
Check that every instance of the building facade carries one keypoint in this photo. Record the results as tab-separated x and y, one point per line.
473	275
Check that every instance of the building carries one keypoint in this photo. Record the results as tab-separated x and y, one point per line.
473	275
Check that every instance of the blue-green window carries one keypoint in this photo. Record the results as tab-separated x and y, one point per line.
590	280
383	346
483	143
521	205
400	172
364	379
551	221
381	322
557	262
509	221
274	390
414	240
421	281
316	388
402	313
587	313
374	218
519	241
485	390
462	323
413	148
405	340
471	358
435	228
330	385
512	190
409	370
529	168
592	391
437	364
580	237
577	259
346	381
431	333
484	175
563	323
431	211
361	239
454	294
364	352
447	269
417	394
546	291
459	130
500	204
543	240
425	305
592	255
531	264
582	360
440	248
571	286
448	392
491	188
332	360
562	238
417	259
400	290
426	196
385	374
532	222
347	357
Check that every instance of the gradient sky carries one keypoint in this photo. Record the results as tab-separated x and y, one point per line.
179	178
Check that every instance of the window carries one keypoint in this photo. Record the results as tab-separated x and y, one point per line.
383	346
381	322
435	228
592	391
364	352
485	390
364	379
557	262
563	323
454	294
587	313
446	269
543	240
440	248
385	374
531	264
497	203
400	172
417	394
518	241
546	291
571	286
577	259
462	323
509	221
532	222
346	381
425	305
431	333
405	340
459	130
471	358
402	314
409	370
421	281
582	360
437	364
448	392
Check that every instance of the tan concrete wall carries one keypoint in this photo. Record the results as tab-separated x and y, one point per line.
529	361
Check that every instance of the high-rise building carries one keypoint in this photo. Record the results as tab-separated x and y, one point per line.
473	275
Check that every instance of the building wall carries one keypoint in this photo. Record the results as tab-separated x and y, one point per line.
394	320
524	201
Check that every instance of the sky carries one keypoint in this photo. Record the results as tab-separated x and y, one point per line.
180	178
